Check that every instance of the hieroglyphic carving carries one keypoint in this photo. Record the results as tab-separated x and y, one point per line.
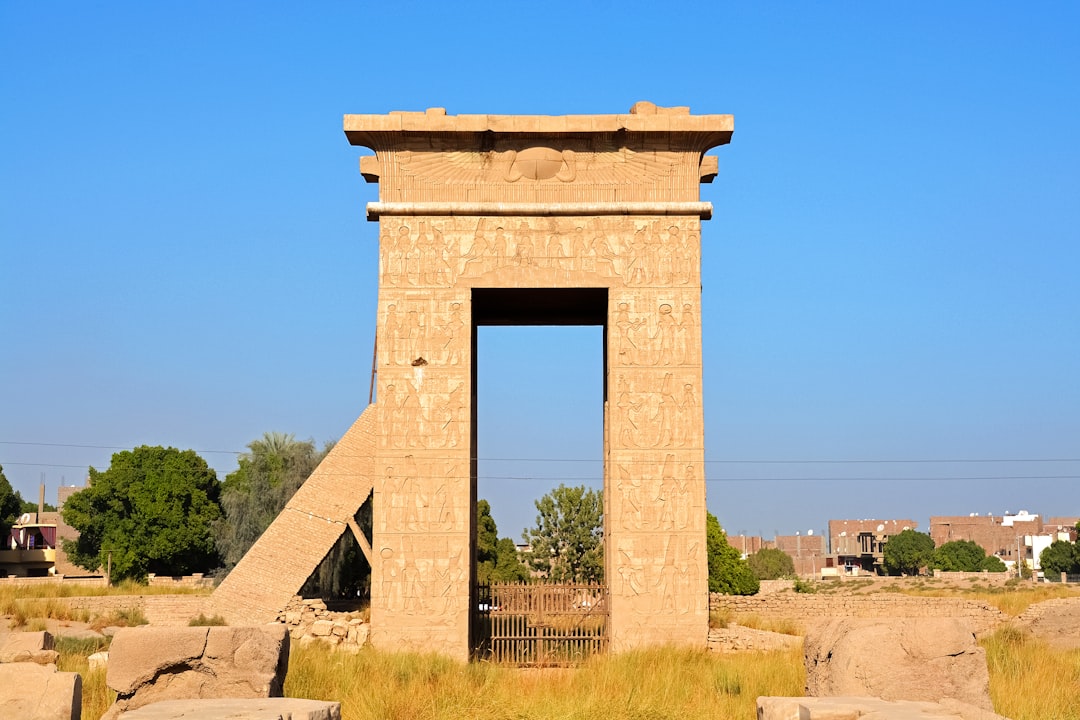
423	579
656	411
655	495
661	576
438	252
422	494
658	338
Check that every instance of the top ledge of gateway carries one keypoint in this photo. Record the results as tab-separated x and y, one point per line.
644	117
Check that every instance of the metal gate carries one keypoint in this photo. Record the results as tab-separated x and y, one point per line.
539	623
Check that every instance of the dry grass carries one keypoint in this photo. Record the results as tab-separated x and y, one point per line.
1029	680
785	626
202	620
15	591
96	696
121	617
660	683
1011	599
720	618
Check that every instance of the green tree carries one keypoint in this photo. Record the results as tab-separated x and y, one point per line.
771	564
151	511
908	552
728	572
29	506
568	540
254	494
992	563
508	566
959	556
1061	557
10	507
497	559
487	540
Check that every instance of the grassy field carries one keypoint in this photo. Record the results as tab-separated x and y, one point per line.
1028	679
659	683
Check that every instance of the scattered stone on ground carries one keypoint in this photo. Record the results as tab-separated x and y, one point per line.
38	692
1056	622
98	660
309	620
851	708
897	659
736	638
28	647
151	664
238	709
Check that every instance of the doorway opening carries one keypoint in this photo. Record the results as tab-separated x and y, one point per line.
538	388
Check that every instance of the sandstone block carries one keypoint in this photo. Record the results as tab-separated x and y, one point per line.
151	664
38	692
897	659
32	647
238	709
851	708
98	660
320	628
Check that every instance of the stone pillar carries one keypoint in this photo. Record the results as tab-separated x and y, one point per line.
655	557
424	493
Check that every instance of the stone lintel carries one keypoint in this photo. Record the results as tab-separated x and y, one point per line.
710	130
375	210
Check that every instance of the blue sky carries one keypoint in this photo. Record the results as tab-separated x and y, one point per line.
891	272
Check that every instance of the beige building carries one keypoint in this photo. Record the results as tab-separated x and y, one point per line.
858	545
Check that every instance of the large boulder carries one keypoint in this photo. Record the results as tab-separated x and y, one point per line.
237	709
852	708
897	659
38	692
151	664
35	647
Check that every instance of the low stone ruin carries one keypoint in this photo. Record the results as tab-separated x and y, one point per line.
309	621
922	659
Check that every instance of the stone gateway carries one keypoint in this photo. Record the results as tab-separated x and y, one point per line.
520	220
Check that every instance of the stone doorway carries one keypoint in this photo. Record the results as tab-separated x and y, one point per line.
484	216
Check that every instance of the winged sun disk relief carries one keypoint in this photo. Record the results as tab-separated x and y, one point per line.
535	163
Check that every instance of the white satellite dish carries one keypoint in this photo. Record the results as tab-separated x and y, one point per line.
843	534
880	528
24	519
809	532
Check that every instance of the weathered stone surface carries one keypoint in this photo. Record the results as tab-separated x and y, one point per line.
148	664
38	692
98	660
1057	622
897	659
735	638
238	709
32	647
852	708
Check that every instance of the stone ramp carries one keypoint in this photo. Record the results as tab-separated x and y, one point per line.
285	555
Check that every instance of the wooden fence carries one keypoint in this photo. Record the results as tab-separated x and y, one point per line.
539	624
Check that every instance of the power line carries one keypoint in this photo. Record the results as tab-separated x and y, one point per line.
726	461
